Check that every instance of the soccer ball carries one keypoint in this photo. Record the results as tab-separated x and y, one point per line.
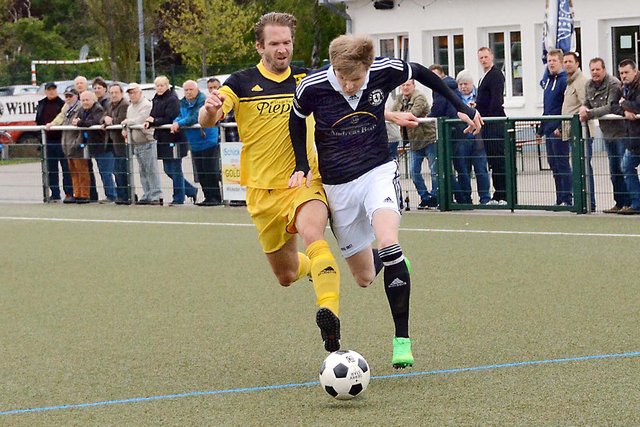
344	374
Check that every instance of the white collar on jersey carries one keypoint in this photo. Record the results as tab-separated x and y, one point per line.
353	100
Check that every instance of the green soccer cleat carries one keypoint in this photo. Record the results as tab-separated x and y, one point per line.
406	261
329	325
402	356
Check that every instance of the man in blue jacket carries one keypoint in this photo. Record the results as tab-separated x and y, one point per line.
443	108
205	149
554	85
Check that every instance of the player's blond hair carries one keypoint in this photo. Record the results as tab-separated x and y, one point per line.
347	51
277	19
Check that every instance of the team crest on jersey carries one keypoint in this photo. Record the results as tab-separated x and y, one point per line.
299	77
376	97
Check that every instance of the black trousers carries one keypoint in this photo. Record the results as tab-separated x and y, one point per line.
207	164
493	137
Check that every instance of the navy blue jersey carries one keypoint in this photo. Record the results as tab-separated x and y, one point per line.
350	132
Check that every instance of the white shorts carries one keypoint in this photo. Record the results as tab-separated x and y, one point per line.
352	205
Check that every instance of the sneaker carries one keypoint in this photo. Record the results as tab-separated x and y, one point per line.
329	325
402	356
614	209
432	202
628	210
502	202
493	202
406	261
52	200
424	204
69	199
106	201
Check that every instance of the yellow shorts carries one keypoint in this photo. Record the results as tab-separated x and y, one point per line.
274	212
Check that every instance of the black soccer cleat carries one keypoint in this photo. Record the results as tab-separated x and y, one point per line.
329	325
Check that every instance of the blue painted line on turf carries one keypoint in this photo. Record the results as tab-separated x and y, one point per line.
313	383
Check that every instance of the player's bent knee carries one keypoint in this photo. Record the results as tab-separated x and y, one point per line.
286	278
364	280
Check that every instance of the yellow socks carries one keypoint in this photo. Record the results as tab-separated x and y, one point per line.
325	275
304	265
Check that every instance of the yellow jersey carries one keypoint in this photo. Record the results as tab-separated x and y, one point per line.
262	103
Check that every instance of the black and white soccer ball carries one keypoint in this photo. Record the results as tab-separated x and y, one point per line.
344	374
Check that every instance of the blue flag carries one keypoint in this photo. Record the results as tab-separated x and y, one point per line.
559	30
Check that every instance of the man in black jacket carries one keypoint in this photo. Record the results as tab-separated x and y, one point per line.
629	107
489	103
48	108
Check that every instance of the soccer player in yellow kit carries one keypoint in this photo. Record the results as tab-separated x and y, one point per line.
261	98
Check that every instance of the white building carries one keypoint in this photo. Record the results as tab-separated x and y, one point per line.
449	32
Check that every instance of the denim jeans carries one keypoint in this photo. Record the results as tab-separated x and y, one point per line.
147	155
121	173
105	163
393	149
558	152
55	156
630	163
615	153
181	187
207	164
493	140
417	157
461	183
475	156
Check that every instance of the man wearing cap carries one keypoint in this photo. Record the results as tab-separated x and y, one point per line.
144	146
48	108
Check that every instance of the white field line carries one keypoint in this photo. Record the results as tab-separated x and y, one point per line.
230	224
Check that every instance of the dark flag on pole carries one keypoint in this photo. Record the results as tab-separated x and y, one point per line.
558	31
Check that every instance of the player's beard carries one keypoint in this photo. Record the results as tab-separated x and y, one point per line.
277	65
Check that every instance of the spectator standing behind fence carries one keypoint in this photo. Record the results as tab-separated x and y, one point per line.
602	93
72	145
554	86
203	142
48	108
91	115
100	88
490	103
82	84
144	146
574	97
421	140
230	132
474	152
443	108
629	107
172	147
115	113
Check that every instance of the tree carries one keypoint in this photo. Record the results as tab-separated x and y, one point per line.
317	26
23	41
117	24
208	31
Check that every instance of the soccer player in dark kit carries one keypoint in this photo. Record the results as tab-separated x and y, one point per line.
360	179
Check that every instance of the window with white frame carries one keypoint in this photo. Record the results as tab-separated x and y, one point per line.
394	46
507	50
448	51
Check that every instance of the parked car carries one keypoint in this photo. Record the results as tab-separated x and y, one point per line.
149	90
202	81
17	90
62	86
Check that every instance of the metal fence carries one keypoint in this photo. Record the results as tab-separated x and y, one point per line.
24	168
529	182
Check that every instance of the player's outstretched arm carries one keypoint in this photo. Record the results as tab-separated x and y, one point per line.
467	114
406	118
211	112
298	132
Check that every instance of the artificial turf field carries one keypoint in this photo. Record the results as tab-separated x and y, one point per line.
171	316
